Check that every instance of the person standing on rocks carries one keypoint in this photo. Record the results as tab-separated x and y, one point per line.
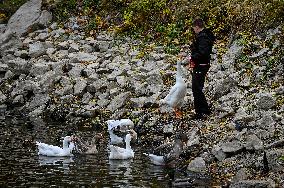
199	63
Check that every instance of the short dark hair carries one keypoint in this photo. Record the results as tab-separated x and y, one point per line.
198	22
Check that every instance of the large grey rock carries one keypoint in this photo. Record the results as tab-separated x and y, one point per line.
45	18
112	76
242	174
37	112
102	46
86	98
3	109
266	121
223	87
87	48
4	67
218	153
36	49
38	100
2	28
19	100
197	165
22	54
66	90
39	68
19	66
146	102
280	90
103	102
24	87
8	75
273	158
9	41
48	80
73	48
253	143
231	55
25	18
76	71
243	116
122	81
260	53
232	147
193	137
118	101
265	101
80	86
2	97
63	45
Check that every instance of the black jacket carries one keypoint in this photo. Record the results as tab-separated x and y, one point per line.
201	47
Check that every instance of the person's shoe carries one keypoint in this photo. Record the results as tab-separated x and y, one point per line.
207	113
198	116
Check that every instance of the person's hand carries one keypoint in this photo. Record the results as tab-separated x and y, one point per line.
190	65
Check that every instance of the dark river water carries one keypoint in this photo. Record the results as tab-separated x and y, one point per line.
22	167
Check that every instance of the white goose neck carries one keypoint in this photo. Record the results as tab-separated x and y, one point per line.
65	142
178	74
127	141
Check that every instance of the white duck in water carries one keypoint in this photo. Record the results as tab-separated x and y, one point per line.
55	151
122	153
175	98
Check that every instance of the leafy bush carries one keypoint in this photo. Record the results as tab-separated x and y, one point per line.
167	21
170	21
8	8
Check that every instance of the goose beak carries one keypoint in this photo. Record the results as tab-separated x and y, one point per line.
73	138
99	137
133	134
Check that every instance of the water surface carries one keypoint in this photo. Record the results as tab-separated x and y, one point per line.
22	167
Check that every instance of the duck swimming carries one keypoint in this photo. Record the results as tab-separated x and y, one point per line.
169	158
122	153
55	151
83	147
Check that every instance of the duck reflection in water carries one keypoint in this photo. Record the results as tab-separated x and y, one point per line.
56	161
121	167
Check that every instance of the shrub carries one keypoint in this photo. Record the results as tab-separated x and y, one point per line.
8	8
167	21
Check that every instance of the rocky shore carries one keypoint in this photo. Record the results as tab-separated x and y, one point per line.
55	72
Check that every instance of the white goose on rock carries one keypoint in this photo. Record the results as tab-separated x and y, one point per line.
55	151
175	97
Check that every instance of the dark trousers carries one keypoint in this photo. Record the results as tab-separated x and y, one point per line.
198	79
